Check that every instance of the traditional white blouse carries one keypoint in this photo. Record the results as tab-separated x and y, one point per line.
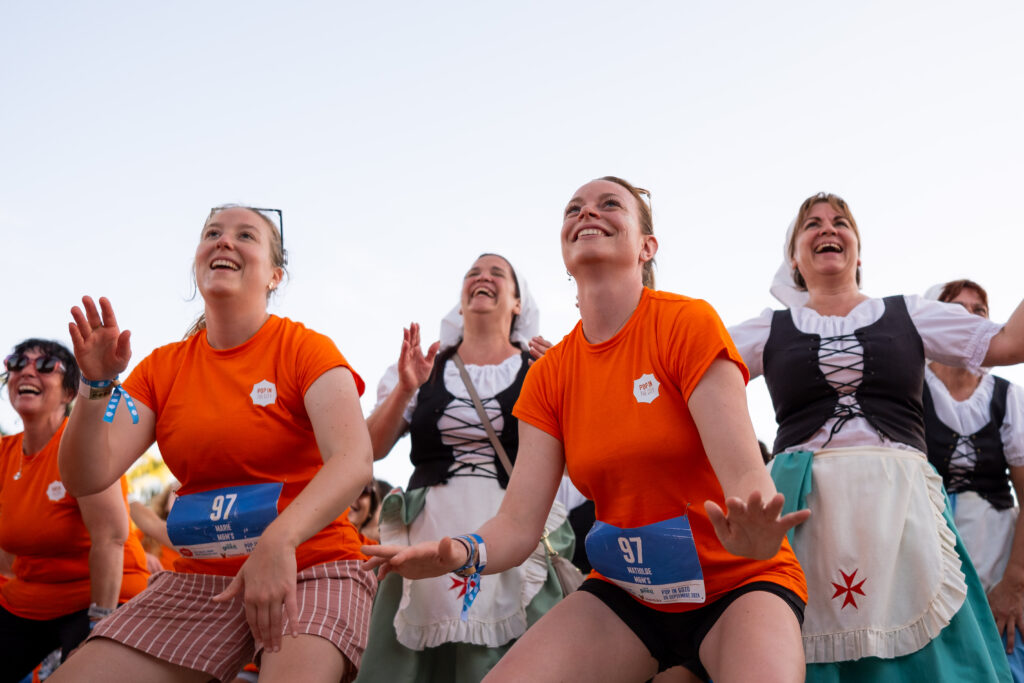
970	415
459	424
949	333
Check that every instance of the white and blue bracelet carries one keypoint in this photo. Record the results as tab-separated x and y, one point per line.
93	389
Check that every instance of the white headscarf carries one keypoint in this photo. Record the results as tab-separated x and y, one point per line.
783	285
935	291
526	327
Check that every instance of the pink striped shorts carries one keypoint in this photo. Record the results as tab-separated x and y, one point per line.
175	620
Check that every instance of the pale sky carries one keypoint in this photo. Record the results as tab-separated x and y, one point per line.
403	139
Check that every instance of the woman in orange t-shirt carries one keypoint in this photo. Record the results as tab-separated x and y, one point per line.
644	403
258	417
73	560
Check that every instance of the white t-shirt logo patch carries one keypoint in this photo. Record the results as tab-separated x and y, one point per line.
55	491
263	393
646	388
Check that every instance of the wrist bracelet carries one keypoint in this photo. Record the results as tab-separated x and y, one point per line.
96	612
102	388
91	389
470	571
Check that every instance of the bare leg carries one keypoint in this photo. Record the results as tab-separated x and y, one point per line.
304	658
757	638
580	639
102	660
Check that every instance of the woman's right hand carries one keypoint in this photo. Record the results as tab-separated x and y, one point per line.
101	348
420	561
413	366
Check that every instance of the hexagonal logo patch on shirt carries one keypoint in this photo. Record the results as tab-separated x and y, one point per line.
264	393
646	388
55	491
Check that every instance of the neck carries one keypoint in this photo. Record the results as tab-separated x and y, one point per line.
834	297
228	327
485	341
605	306
38	432
960	382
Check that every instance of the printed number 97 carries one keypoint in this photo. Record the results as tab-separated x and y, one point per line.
221	511
626	546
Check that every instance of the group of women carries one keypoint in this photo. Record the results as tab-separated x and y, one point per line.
699	560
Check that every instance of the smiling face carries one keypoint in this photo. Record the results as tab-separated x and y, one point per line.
235	256
34	394
603	224
825	243
490	288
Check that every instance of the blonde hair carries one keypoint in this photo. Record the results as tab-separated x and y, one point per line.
646	219
278	255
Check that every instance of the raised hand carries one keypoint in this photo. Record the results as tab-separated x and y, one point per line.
420	561
753	528
101	348
414	367
539	346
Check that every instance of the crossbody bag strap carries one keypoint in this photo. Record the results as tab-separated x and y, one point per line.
486	421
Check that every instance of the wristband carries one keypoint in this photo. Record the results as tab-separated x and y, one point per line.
92	389
471	570
96	612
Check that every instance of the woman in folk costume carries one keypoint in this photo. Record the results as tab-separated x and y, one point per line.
643	402
892	594
974	425
422	631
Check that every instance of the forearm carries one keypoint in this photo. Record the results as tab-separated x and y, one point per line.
1013	576
1007	346
387	423
324	499
150	523
509	542
106	565
84	452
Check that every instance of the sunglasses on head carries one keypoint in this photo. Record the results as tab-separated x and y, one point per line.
44	364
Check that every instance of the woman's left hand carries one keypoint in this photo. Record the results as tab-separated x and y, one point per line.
1008	608
753	528
267	582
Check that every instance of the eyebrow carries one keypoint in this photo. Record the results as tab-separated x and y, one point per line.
218	224
603	195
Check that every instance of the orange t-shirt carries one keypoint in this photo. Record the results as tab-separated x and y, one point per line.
236	417
620	410
41	525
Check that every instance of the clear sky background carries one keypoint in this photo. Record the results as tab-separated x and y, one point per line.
403	139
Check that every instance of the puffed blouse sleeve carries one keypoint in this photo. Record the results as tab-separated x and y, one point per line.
1012	430
750	338
950	334
386	385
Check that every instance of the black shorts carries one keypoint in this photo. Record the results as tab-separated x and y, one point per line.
674	638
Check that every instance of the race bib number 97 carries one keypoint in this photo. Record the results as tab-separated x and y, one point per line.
223	522
657	563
